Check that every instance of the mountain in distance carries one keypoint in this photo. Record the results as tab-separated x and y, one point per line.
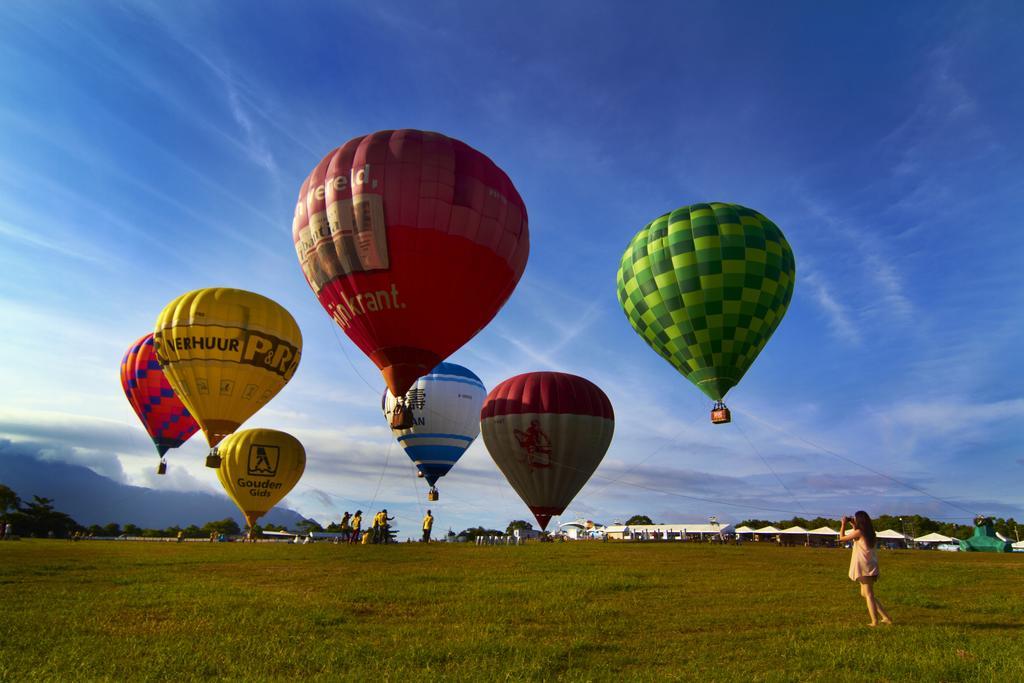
90	498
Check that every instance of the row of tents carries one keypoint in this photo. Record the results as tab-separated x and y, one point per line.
580	529
889	537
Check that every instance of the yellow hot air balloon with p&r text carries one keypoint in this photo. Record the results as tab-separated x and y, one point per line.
226	352
258	468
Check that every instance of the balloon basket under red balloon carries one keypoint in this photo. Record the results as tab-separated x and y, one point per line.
161	468
432	495
720	414
402	417
213	460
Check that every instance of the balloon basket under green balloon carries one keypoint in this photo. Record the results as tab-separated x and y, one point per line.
720	414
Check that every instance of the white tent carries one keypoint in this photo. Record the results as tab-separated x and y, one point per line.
1019	545
823	531
744	530
795	534
933	538
767	530
892	535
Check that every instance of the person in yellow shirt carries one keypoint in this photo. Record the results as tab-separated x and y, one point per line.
383	528
345	527
357	524
428	524
375	528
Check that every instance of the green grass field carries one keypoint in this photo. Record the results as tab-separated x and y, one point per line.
571	611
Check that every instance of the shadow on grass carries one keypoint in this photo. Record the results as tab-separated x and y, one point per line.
970	625
992	626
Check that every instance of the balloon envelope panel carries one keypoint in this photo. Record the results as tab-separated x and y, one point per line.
258	468
706	286
226	352
547	432
164	416
446	404
412	242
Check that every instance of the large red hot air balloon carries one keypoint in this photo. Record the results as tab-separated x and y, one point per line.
162	413
547	432
412	242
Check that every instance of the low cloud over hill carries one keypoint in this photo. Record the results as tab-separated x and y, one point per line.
94	499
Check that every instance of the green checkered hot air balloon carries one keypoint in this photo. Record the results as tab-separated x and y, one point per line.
706	285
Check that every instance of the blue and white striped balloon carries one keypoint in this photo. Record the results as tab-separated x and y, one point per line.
446	406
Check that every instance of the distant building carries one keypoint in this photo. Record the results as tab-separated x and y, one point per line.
581	529
669	532
525	534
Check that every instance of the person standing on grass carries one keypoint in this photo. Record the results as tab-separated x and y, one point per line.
357	525
864	562
385	528
375	528
428	524
345	527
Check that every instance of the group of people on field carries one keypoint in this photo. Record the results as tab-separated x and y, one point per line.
351	528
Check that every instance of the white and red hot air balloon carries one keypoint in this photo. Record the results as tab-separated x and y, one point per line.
547	432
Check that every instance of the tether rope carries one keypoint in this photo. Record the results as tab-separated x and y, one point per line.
854	462
772	470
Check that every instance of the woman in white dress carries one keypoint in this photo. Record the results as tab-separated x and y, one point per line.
864	562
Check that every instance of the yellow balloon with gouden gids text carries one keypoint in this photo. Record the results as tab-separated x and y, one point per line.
226	352
258	467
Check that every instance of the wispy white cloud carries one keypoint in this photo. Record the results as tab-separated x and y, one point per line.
918	424
71	438
255	143
956	99
892	299
535	356
558	318
98	159
177	478
247	101
927	153
104	61
108	58
34	239
879	283
838	316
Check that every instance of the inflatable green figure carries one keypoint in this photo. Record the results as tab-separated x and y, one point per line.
985	539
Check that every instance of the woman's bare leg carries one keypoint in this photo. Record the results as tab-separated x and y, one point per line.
867	590
881	610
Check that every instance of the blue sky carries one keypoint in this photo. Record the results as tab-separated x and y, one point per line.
150	149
